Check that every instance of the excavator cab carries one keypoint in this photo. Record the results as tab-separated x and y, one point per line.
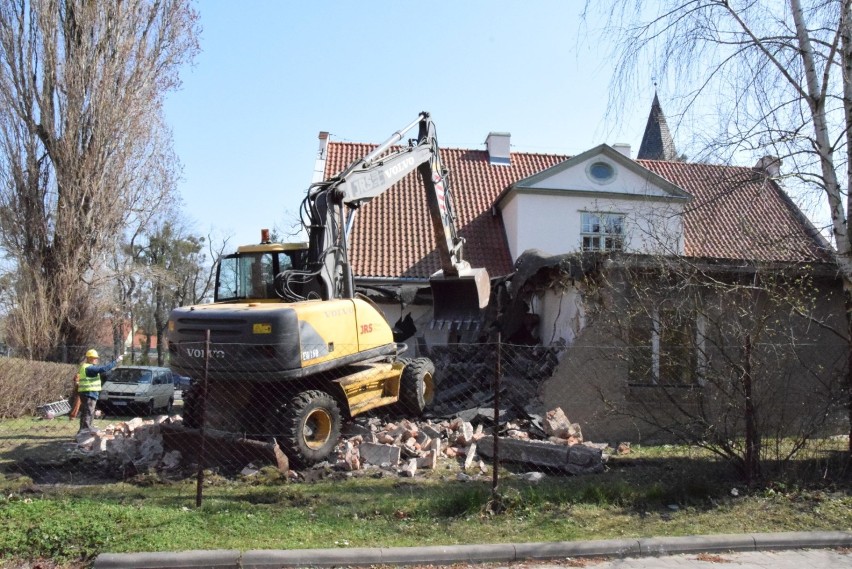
249	274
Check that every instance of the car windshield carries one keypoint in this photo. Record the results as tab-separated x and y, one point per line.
130	375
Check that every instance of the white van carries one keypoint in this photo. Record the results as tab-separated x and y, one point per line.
147	389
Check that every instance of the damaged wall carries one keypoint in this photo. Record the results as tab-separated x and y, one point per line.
797	372
561	315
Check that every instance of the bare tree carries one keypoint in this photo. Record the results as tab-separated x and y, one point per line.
776	77
739	359
173	270
83	148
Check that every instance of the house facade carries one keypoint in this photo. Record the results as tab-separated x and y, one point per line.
632	265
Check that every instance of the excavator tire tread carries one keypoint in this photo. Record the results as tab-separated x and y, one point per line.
416	389
297	411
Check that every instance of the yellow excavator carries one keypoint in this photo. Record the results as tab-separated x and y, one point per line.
288	348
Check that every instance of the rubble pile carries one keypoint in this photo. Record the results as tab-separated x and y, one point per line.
402	447
467	376
408	446
136	442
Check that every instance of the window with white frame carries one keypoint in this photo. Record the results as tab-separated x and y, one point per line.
602	231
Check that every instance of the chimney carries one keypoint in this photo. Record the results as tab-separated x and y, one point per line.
769	165
497	145
622	148
323	143
319	164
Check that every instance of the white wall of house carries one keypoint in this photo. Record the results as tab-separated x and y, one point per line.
561	314
551	222
546	212
625	181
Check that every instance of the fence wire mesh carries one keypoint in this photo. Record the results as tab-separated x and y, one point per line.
477	411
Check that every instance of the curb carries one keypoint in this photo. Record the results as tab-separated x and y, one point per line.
498	552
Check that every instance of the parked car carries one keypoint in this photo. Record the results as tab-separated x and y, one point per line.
147	389
181	381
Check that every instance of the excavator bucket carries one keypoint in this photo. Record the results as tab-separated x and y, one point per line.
459	301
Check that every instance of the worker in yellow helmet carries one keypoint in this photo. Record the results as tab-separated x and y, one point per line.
89	386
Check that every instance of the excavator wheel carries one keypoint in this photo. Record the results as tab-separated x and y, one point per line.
309	427
417	386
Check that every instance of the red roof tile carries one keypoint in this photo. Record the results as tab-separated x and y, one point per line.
735	214
392	235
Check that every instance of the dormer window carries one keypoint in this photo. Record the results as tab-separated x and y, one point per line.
602	231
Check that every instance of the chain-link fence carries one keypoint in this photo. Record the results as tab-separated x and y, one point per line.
236	409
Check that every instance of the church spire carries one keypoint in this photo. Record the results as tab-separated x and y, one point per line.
657	142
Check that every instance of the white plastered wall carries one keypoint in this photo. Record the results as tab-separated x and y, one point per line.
561	313
551	222
546	214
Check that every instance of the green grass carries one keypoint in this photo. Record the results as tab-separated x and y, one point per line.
652	491
379	513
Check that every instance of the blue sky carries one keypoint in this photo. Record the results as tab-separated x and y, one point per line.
273	74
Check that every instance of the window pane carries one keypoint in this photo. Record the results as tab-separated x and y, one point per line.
227	283
677	348
615	225
609	225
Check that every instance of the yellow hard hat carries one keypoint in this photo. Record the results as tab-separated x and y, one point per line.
92	354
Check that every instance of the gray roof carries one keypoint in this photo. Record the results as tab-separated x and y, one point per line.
657	142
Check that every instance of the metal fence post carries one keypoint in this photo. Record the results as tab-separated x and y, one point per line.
202	402
495	477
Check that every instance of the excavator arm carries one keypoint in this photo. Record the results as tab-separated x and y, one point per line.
328	211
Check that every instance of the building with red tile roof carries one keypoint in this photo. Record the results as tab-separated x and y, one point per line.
736	220
734	213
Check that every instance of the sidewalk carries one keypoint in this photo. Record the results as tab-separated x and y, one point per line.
488	553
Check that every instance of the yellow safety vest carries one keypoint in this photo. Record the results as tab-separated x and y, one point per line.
88	383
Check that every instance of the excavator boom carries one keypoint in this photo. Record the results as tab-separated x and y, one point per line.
459	292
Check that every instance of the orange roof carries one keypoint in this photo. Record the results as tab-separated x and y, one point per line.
735	214
392	235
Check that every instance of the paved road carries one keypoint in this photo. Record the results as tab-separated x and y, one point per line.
796	559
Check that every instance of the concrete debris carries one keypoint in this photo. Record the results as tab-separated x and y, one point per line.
470	457
350	459
575	459
250	469
410	468
429	461
171	460
532	477
379	454
557	425
136	442
396	448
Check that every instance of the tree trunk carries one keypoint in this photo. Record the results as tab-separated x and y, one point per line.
849	371
752	435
